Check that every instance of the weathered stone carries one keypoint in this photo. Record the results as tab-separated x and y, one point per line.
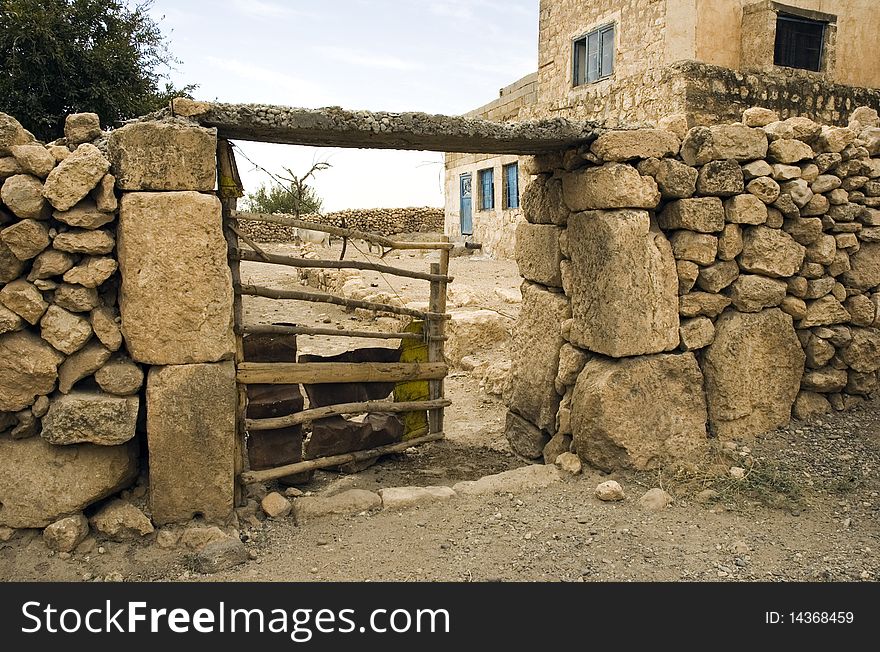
571	362
719	143
103	321
770	252
525	438
542	202
472	330
164	156
10	266
9	167
718	276
775	218
639	412
120	376
24	300
788	150
825	380
675	179
67	533
765	189
757	116
819	352
812	271
810	404
84	215
824	312
81	364
705	214
191	434
176	293
785	205
805	231
537	253
81	128
655	500
610	491
28	368
730	242
220	556
688	273
696	333
535	350
515	481
34	159
75	177
720	179
40	407
50	263
794	306
346	503
85	242
92	271
121	521
861	310
799	192
26	239
822	250
626	284
40	483
835	139
559	443
569	463
409	497
197	537
863	353
702	303
621	145
104	196
818	205
10	322
753	371
613	185
697	247
12	134
753	293
756	169
60	152
23	195
745	209
786	172
76	298
90	417
865	272
825	183
274	505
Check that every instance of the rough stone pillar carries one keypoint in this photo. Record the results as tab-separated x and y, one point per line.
176	302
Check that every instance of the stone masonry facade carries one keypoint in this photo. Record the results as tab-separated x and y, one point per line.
685	284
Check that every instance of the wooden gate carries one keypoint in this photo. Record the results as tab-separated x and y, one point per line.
287	373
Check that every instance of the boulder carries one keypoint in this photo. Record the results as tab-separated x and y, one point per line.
12	134
699	248
703	304
103	320
824	312
863	352
675	179
730	242
538	254
346	503
805	231
613	185
516	481
81	128
534	349
90	417
826	380
66	533
28	369
639	412
40	483
745	209
176	294
76	298
23	195
770	252
121	521
720	179
542	202
753	370
24	300
756	169
26	239
757	116
525	439
753	293
718	276
81	364
719	143
789	150
85	215
625	284
164	156
703	214
810	404
765	189
75	177
623	145
865	272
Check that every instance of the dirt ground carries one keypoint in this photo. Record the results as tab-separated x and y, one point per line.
807	509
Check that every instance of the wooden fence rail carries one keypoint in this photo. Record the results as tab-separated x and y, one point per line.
294	373
307	416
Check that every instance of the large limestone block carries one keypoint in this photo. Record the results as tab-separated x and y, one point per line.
719	143
91	417
176	291
474	330
28	369
637	143
770	252
534	355
164	156
542	201
865	263
191	439
75	177
639	412
704	214
23	195
40	483
538	254
753	372
613	185
625	284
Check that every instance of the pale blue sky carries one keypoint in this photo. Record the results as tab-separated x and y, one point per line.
437	56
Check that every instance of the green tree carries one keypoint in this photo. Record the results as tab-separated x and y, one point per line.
68	56
287	194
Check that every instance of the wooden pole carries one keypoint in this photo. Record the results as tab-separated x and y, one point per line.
291	261
332	332
323	297
307	416
316	373
436	333
326	462
292	220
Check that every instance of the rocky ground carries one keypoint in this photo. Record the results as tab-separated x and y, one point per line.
805	508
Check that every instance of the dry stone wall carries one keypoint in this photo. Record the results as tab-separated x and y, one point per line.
384	221
717	284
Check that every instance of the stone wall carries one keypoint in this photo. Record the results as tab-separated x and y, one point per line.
708	283
384	221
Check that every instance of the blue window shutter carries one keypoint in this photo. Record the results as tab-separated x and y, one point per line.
606	66
511	173
592	56
580	62
487	189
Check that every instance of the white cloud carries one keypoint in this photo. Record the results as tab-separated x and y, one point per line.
281	88
367	59
264	9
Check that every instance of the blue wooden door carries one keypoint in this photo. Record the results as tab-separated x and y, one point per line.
466	205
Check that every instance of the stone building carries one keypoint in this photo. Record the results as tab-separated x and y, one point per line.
680	62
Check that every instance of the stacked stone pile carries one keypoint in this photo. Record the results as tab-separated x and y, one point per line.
69	393
726	274
384	221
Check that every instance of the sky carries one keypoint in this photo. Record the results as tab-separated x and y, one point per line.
436	56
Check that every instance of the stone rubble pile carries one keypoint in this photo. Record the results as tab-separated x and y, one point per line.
69	392
727	275
384	221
